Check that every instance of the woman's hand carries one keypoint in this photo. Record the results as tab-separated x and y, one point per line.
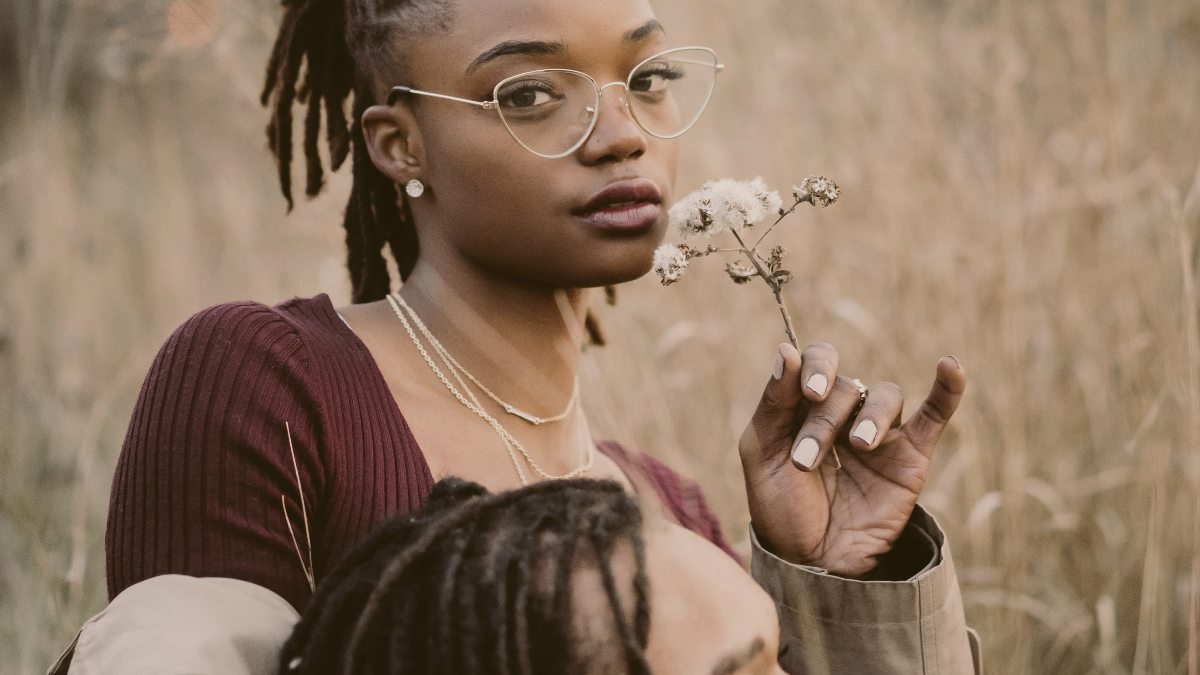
805	509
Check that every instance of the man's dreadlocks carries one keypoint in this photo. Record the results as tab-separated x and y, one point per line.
481	583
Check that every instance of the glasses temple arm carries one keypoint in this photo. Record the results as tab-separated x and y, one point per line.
715	66
396	92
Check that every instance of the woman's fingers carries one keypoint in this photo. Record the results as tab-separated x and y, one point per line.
823	424
926	426
775	417
881	411
798	381
820	364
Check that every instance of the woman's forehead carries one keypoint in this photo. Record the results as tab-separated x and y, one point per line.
576	31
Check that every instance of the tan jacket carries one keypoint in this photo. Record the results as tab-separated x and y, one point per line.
180	625
835	625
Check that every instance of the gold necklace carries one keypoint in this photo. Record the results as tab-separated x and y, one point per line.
508	407
510	442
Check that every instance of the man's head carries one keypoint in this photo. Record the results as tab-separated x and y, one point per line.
557	577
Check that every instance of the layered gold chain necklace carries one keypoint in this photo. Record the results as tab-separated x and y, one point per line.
472	403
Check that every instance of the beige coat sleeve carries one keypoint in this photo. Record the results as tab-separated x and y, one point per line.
180	625
831	624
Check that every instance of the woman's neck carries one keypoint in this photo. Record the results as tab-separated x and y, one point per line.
520	340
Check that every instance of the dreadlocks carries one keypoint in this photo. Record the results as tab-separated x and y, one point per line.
481	583
335	43
314	34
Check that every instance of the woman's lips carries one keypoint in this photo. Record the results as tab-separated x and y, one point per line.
629	205
627	217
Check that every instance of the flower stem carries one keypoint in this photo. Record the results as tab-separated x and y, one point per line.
776	287
782	215
787	319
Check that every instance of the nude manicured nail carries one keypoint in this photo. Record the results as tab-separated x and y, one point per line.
805	452
866	432
817	384
777	373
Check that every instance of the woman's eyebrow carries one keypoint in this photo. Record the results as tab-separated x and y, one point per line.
643	31
732	662
555	48
511	47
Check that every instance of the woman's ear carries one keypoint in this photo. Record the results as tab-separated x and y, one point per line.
393	141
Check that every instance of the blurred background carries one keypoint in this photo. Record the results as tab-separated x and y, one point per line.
1021	189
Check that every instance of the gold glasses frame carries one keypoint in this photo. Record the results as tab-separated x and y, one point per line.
398	91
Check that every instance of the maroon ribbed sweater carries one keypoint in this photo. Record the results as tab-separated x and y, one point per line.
205	460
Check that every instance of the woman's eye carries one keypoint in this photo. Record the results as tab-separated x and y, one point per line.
655	77
526	95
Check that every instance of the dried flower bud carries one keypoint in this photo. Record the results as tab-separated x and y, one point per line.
740	273
818	190
724	204
775	260
669	263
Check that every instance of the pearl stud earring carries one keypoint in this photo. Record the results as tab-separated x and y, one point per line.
414	188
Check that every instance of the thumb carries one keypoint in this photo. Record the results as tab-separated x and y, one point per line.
926	426
776	418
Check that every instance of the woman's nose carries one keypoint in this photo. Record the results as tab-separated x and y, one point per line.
616	136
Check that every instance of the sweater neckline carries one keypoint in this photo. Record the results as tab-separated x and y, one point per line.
341	324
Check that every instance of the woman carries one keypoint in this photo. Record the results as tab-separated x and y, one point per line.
268	439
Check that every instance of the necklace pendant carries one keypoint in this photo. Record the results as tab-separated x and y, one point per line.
525	416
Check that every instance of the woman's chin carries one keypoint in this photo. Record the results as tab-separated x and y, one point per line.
617	272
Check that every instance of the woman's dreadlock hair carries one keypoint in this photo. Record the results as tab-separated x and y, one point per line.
315	36
334	42
481	583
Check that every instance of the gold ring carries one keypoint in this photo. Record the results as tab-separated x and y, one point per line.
862	390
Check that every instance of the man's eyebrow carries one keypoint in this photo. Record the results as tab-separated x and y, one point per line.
643	31
511	47
732	662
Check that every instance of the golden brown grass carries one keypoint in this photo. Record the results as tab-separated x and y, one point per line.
1022	189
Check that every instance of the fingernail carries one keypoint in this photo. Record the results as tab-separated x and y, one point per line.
818	383
956	361
805	452
866	432
777	373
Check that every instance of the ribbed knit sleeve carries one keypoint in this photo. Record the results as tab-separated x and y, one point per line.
686	501
681	496
206	457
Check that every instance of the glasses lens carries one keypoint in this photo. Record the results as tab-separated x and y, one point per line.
669	92
548	111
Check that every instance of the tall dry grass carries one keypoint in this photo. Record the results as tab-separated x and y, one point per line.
1022	189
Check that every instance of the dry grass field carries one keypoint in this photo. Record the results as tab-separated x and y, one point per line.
1021	189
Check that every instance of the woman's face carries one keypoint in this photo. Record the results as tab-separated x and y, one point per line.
495	204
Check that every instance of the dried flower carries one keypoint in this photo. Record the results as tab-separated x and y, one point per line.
669	263
742	203
724	204
690	215
735	205
771	201
818	190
